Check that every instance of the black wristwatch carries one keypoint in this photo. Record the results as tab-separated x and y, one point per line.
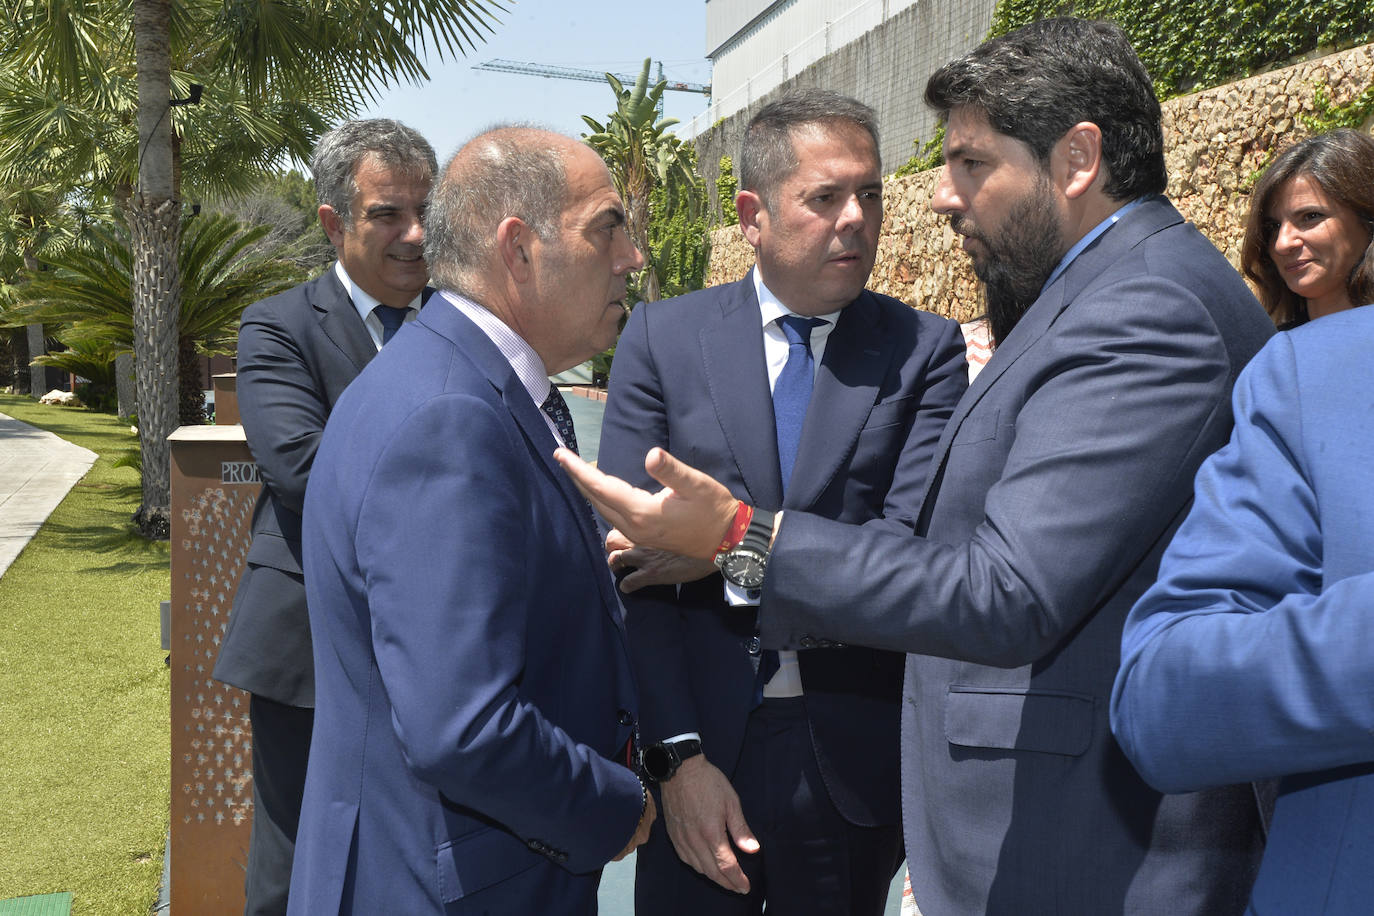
660	761
745	564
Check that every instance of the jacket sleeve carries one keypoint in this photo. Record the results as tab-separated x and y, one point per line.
1237	665
281	402
1079	467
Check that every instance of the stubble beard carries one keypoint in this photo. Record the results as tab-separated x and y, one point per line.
1018	260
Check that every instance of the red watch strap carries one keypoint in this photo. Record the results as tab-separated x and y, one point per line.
744	514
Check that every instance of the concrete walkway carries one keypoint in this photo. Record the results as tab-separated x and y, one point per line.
37	469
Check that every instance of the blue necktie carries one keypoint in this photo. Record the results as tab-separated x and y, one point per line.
792	390
558	411
391	320
791	394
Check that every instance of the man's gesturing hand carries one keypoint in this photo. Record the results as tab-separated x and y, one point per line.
690	515
650	566
702	814
646	820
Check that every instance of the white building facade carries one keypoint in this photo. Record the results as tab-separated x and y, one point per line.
879	51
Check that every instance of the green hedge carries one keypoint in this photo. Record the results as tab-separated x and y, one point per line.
1188	46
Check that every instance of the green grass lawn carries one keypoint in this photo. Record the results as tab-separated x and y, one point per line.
84	689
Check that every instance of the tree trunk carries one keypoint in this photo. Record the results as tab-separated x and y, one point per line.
124	385
637	213
155	223
191	399
38	375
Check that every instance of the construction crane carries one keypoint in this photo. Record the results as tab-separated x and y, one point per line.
590	76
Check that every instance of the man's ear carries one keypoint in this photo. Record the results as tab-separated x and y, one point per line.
751	210
1080	154
514	241
333	225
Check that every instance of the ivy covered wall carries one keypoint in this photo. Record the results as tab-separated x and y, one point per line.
1188	44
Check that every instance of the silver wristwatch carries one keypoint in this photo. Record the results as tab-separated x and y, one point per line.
746	563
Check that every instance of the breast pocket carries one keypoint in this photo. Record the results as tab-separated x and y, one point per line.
1015	719
979	426
889	413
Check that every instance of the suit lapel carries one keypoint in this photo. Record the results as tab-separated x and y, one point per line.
339	320
856	359
737	379
454	326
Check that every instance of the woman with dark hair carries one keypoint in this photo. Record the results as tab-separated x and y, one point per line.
1309	241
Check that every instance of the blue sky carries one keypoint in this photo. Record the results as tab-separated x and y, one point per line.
613	35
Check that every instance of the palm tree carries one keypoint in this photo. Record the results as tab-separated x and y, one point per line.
275	74
89	288
643	156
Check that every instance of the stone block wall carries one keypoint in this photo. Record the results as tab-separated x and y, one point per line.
1215	144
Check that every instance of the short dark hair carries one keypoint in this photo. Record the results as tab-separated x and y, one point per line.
768	157
1342	165
337	156
1035	83
510	170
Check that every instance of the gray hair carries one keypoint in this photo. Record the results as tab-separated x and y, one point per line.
339	153
502	172
768	157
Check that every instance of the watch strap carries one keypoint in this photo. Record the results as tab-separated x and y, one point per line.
759	535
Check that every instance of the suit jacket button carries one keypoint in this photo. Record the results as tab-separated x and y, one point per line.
624	718
753	645
808	643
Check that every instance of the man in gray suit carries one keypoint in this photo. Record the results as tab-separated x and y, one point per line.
297	352
1055	486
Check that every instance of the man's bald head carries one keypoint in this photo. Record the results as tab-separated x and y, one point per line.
502	172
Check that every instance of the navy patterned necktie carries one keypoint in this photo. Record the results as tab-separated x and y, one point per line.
557	409
391	320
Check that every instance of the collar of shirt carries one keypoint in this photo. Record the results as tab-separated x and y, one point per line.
529	368
1081	245
775	341
364	302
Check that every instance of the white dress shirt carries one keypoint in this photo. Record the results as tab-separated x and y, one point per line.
529	368
365	303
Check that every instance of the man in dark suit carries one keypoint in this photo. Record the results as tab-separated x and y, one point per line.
1056	484
297	352
725	733
475	704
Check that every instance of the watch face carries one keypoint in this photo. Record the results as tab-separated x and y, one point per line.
656	762
743	567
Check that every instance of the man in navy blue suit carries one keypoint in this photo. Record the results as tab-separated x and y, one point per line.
474	701
778	772
1055	486
1252	657
297	351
